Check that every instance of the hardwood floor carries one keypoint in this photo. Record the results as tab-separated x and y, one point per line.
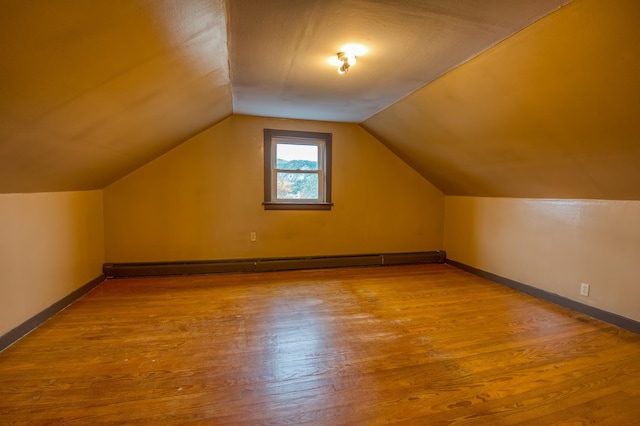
423	344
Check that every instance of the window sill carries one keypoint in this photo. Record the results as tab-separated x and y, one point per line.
297	206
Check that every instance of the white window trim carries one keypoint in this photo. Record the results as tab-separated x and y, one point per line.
320	143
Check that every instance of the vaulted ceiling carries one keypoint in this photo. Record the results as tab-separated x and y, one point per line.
534	98
91	90
552	112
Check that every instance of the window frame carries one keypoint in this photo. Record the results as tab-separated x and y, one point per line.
323	140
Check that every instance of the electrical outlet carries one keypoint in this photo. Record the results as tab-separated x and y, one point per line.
584	290
252	236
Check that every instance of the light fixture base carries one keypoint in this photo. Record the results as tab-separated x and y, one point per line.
347	61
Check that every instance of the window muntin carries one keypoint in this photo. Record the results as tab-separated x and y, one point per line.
297	170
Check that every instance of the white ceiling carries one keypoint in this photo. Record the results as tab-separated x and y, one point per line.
90	90
279	49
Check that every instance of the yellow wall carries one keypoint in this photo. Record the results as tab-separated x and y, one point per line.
50	245
201	201
554	245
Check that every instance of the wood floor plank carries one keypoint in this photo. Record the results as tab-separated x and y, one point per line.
421	344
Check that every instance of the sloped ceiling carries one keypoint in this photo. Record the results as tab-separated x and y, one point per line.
552	112
91	90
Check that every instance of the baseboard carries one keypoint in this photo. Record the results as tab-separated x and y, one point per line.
123	270
600	314
32	323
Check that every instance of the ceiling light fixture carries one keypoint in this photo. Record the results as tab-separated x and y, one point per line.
346	56
346	60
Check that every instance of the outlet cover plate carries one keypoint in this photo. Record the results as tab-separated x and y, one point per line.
584	290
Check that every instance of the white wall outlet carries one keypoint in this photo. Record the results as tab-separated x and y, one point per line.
584	290
252	236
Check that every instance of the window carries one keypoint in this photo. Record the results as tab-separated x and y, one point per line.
297	170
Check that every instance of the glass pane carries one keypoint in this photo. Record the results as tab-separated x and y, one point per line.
300	186
296	156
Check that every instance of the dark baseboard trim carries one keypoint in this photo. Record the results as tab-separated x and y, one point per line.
609	317
146	269
32	323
